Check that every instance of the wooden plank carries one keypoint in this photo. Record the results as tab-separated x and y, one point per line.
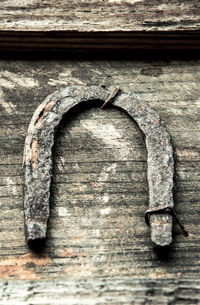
99	15
98	41
102	25
101	291
97	230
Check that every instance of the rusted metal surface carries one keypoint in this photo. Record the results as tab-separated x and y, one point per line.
37	160
162	209
111	97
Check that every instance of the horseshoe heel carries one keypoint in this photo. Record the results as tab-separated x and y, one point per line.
37	160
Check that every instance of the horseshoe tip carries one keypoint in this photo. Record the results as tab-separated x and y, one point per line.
35	231
161	234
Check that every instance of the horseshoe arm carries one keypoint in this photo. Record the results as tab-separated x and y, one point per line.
160	166
37	160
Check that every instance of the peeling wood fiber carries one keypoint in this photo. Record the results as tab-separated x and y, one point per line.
99	15
102	291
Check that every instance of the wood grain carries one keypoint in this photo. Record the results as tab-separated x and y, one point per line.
99	190
101	291
99	25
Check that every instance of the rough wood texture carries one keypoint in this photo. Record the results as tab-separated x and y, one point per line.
99	190
98	24
101	291
108	15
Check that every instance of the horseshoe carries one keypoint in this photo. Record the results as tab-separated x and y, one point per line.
37	159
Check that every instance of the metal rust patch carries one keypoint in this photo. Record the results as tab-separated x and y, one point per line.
37	161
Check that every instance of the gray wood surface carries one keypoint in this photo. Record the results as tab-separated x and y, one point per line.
99	191
101	291
108	15
98	24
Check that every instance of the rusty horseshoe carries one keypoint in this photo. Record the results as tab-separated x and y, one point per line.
37	160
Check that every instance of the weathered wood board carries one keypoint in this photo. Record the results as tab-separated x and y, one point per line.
98	15
99	25
99	190
101	291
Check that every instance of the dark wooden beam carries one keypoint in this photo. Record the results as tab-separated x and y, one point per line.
98	41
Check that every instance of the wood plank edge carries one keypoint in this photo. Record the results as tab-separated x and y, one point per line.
99	41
